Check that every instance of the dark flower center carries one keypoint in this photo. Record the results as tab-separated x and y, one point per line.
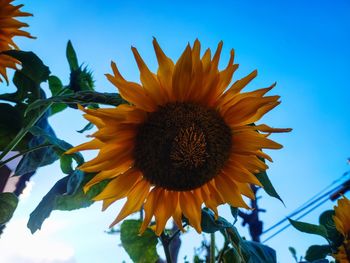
182	146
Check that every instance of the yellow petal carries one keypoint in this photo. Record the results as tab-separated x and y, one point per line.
182	75
149	81
230	192
92	145
165	70
131	91
191	209
135	200
149	208
119	187
164	208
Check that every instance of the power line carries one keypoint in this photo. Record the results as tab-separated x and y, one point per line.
301	216
310	202
316	200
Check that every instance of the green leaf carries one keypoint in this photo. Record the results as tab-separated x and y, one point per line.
141	249
61	146
57	107
32	66
210	225
10	124
71	57
8	204
87	127
268	187
319	230
234	213
326	219
79	199
55	85
231	255
293	252
316	252
257	252
66	162
59	199
82	97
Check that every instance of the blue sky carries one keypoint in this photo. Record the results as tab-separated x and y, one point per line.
303	45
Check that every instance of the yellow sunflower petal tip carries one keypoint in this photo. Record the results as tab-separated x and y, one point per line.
10	28
186	137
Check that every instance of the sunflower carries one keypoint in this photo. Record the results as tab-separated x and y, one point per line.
342	223
9	28
185	139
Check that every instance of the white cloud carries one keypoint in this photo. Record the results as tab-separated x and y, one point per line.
18	245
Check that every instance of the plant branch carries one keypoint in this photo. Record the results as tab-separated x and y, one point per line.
164	238
24	152
212	248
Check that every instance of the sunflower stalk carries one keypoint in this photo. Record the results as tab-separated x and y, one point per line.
212	248
20	135
165	239
2	163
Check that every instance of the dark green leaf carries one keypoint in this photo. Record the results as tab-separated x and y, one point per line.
8	204
268	187
57	107
250	252
59	199
10	124
316	252
326	219
32	66
319	230
141	249
43	156
82	97
257	252
66	162
210	225
87	127
293	252
75	181
234	213
55	85
71	57
231	255
60	145
46	205
80	199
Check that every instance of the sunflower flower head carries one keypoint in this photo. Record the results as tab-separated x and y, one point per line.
186	139
9	28
342	223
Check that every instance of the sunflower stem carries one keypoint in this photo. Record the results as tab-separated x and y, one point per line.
2	163
20	135
212	248
164	238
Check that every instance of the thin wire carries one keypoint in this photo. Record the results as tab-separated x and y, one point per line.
302	209
301	216
310	202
